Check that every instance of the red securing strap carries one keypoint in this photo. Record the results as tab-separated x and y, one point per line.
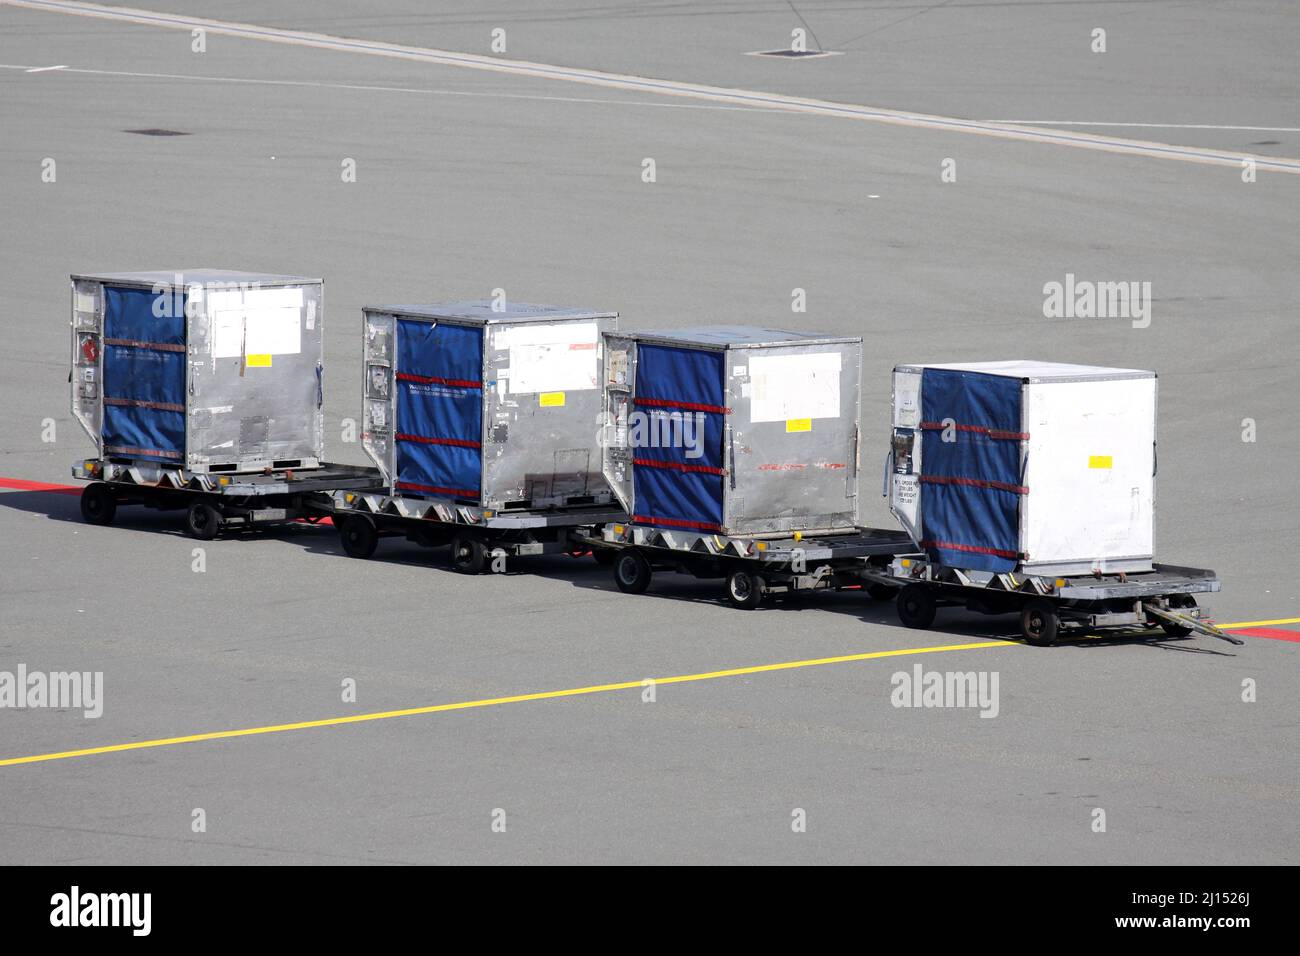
984	430
675	523
454	442
975	483
971	548
436	490
688	406
678	466
433	380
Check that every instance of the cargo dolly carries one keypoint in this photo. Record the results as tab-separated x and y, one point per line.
215	501
755	566
476	535
1050	607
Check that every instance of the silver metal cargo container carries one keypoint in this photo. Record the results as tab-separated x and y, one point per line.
495	407
206	370
733	429
1040	467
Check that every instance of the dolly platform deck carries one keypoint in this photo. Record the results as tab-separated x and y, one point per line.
476	535
756	566
1049	606
213	502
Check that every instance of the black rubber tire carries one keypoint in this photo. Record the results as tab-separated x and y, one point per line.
745	589
359	535
632	572
605	556
202	521
881	592
1178	603
98	503
468	555
917	606
1040	623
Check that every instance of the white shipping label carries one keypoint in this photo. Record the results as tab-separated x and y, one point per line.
907	399
255	322
551	358
85	302
784	387
273	331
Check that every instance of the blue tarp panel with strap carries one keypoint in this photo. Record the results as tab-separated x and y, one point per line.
677	437
439	428
144	374
971	469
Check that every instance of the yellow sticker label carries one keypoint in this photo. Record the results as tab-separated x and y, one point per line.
1100	461
798	425
551	399
258	361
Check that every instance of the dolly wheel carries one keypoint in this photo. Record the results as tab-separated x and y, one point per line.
632	572
1179	602
744	589
359	536
468	555
1039	622
202	521
604	556
917	606
98	503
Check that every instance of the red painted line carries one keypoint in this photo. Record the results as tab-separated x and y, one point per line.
1273	633
21	484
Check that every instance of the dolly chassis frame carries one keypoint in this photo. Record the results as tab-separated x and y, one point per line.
1050	605
476	535
214	502
755	566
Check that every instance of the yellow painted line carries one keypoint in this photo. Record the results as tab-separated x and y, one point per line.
1241	624
491	702
741	97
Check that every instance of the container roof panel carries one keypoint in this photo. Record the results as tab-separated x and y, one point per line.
192	276
482	312
1035	371
736	336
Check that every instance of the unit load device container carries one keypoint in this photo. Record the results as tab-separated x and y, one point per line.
202	370
734	430
486	404
1039	467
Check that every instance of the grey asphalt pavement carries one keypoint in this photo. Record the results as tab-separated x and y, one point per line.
469	181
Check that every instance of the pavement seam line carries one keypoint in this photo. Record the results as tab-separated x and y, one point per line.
1147	149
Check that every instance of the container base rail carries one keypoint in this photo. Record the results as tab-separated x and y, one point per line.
754	567
215	502
476	536
1050	608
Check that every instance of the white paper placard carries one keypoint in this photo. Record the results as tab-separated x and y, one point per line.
785	387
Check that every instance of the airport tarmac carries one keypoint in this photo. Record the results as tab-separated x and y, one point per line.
470	179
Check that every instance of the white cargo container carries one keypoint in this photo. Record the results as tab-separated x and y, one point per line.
1039	467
